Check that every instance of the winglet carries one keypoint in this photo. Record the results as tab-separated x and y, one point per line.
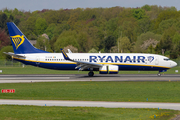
69	51
65	55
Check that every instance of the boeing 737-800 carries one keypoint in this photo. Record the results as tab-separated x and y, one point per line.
105	63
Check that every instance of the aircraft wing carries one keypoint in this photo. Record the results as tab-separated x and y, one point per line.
81	65
13	55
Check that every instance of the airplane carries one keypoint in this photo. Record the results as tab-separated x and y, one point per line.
105	63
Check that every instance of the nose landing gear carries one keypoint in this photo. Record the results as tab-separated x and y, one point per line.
159	74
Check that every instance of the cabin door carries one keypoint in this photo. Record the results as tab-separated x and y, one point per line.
37	60
156	60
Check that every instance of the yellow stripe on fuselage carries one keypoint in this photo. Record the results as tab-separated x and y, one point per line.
113	70
96	63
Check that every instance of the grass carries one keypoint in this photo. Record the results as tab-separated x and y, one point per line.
8	112
95	91
37	70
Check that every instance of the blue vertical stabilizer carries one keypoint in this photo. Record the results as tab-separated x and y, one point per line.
20	43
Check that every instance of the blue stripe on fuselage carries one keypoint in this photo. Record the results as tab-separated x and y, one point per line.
66	66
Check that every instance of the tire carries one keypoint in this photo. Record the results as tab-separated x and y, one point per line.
90	74
159	74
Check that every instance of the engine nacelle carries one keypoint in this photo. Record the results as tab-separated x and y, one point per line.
110	69
103	70
113	69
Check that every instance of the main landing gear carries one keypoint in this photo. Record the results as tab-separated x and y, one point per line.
159	74
91	73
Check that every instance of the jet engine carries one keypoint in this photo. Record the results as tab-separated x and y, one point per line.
109	69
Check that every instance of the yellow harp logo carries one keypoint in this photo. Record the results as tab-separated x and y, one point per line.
17	40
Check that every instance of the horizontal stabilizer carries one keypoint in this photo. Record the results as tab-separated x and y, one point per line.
13	55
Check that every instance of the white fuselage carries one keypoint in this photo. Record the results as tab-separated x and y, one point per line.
125	61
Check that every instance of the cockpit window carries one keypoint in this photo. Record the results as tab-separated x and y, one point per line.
166	59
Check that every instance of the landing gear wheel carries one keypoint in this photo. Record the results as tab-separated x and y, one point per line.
159	74
90	74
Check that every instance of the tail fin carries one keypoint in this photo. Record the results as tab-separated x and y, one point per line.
20	43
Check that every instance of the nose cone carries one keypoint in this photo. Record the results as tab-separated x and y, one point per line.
173	64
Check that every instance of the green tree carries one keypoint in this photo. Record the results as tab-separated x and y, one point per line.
109	42
176	38
93	51
84	41
111	27
139	13
43	44
177	24
50	30
166	24
129	29
57	16
175	46
40	26
52	42
60	28
28	27
149	36
6	49
124	45
3	21
66	38
146	7
165	15
87	14
96	36
154	12
144	24
165	43
72	20
7	12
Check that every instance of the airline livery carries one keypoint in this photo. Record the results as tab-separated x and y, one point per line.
105	63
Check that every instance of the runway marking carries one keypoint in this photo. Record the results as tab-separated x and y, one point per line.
34	78
172	106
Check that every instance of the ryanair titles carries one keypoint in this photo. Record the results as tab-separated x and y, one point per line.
118	59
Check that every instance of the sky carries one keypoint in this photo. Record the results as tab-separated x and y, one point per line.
33	5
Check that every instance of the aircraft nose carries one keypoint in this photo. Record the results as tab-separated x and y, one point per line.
173	64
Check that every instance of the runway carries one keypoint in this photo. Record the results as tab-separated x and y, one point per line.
84	77
172	106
